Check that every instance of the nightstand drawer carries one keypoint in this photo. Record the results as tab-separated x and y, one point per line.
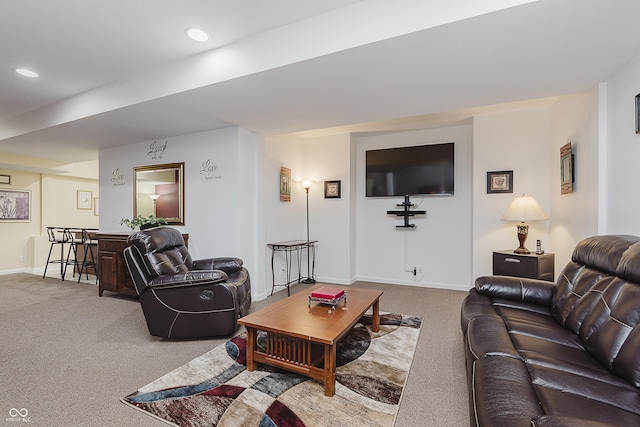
507	263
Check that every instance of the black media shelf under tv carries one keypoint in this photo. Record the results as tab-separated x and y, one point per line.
406	212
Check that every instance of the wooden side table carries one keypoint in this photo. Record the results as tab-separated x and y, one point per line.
533	266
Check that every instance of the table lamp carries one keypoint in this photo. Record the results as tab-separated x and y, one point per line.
522	209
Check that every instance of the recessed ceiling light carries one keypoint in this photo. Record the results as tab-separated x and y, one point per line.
26	73
196	34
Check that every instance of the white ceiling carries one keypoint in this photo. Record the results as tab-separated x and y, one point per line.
119	72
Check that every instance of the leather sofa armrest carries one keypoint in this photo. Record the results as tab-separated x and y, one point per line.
227	264
557	421
194	277
516	288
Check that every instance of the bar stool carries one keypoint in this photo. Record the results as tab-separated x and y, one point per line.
73	242
88	244
56	237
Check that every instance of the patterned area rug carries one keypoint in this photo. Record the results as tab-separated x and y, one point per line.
215	389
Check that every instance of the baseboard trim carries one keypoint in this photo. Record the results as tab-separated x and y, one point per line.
434	285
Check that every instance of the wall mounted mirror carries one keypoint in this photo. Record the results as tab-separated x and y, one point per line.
159	190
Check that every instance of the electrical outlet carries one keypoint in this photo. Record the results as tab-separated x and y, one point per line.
21	258
415	271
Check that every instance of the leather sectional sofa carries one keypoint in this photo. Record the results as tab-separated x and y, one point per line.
564	354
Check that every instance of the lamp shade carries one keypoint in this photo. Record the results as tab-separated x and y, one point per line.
524	208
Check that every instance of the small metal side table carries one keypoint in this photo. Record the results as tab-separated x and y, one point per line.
289	248
533	266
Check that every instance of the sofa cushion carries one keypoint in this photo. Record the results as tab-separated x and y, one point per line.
603	253
163	250
502	393
561	392
593	259
574	282
629	265
609	324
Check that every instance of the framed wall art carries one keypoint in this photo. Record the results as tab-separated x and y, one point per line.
285	184
499	182
85	198
15	205
638	113
332	190
566	169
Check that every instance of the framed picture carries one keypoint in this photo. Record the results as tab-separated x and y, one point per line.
566	169
15	205
96	211
84	199
332	189
638	113
285	184
500	182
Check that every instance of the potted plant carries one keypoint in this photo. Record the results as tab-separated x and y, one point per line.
143	222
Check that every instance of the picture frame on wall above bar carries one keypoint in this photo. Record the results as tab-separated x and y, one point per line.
15	205
85	199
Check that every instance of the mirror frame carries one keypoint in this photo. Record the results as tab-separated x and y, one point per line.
178	167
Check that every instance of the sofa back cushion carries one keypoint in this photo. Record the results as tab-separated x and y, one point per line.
598	297
594	259
611	331
163	250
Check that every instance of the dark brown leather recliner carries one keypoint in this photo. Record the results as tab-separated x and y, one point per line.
182	297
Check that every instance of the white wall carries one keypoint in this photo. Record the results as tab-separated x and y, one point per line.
220	207
284	221
328	159
239	213
440	245
519	141
623	152
573	216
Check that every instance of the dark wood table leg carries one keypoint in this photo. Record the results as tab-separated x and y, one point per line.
251	345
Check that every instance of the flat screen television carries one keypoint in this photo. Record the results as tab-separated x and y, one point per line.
417	170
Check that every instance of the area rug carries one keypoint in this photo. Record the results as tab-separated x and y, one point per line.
215	389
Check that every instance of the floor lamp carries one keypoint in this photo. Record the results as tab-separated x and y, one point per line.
155	199
309	279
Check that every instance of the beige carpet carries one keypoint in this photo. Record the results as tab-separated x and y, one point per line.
68	356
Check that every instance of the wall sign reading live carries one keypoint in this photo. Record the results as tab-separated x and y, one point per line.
156	150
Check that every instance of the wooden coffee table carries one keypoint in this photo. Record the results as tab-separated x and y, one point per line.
300	337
